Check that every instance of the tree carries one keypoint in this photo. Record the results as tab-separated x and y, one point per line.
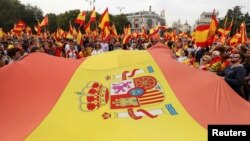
247	20
12	10
120	22
64	19
237	16
52	27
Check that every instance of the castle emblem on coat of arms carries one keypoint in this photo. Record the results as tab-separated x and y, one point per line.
138	89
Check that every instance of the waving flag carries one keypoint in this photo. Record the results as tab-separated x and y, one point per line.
91	20
92	16
127	35
19	26
201	35
80	18
45	21
106	97
104	22
243	32
213	27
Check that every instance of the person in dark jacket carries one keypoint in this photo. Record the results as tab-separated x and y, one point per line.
235	73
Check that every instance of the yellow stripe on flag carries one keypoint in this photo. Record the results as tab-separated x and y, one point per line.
201	36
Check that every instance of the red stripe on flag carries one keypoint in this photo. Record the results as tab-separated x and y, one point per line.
39	90
151	102
148	99
145	96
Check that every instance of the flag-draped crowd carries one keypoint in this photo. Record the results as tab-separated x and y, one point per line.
207	48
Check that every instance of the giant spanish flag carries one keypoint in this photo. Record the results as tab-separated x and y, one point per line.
119	95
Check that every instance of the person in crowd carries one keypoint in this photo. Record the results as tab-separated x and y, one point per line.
68	43
89	49
133	47
215	62
97	50
2	62
34	49
199	52
190	59
225	62
42	49
205	62
117	46
83	52
183	56
72	52
105	46
247	78
235	74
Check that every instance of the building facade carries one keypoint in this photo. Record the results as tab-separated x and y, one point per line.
205	18
146	19
179	27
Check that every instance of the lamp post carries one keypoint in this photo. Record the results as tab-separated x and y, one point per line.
120	9
90	3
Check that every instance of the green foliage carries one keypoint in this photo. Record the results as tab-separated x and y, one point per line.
238	17
120	22
12	10
64	19
52	27
247	20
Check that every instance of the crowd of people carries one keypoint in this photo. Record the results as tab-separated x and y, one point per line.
232	63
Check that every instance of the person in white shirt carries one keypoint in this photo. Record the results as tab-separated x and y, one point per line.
133	47
105	46
71	52
97	50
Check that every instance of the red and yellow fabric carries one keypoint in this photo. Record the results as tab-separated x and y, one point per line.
235	39
213	26
127	36
113	30
201	35
222	31
104	21
1	33
45	21
80	19
107	97
92	16
243	33
215	64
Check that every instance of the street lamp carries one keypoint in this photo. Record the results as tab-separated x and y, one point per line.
120	9
90	3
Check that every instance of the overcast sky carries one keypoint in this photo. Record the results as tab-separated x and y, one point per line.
189	10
